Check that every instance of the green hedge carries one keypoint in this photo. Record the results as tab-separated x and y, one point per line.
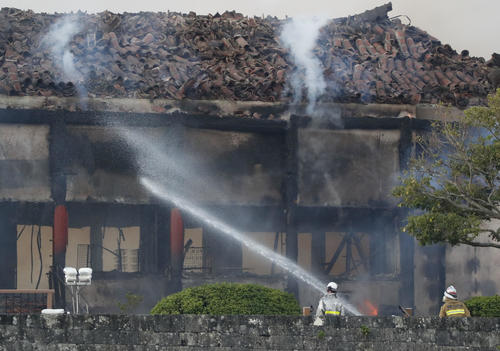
484	306
228	298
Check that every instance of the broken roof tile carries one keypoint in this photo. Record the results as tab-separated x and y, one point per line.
170	55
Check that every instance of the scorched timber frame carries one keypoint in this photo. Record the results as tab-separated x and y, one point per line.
289	217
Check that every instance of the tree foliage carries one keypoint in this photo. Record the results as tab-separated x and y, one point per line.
484	306
228	298
453	180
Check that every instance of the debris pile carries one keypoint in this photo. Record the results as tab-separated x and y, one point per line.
390	62
366	58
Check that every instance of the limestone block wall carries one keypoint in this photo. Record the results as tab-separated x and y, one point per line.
189	332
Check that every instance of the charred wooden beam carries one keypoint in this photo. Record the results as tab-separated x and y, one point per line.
361	120
202	121
374	15
58	148
359	248
224	253
365	123
247	218
163	234
34	213
113	214
382	233
291	199
58	161
336	255
275	249
318	251
8	246
406	242
339	219
348	253
148	240
96	247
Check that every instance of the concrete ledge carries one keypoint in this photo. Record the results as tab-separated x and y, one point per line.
192	332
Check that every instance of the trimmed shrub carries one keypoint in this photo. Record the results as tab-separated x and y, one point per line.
228	298
484	306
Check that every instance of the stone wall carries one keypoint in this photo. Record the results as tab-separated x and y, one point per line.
184	332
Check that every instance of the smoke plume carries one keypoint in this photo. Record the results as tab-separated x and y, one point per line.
57	40
299	36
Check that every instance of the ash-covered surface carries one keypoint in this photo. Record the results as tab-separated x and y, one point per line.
367	58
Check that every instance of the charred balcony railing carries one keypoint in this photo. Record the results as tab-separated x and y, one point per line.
25	301
124	260
196	260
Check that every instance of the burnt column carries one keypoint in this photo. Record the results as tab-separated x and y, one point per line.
8	247
163	247
318	252
58	164
176	246
406	242
148	241
291	199
383	234
406	254
226	255
96	247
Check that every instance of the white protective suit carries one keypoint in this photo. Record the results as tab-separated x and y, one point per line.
330	305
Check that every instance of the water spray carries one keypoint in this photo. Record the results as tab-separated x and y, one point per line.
155	163
251	244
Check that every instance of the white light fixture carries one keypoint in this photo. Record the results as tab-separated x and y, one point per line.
76	279
70	275
84	276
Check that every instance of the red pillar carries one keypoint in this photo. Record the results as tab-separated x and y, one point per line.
59	243
60	233
176	242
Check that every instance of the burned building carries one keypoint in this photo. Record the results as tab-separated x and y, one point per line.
89	104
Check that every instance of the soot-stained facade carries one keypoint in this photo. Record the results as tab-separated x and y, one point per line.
200	105
313	191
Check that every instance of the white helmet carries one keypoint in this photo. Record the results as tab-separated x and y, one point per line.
332	285
451	292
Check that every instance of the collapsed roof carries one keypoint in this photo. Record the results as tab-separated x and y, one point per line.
368	58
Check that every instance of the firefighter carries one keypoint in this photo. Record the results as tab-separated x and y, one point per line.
329	304
452	307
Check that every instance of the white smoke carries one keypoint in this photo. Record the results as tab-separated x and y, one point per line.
57	40
299	36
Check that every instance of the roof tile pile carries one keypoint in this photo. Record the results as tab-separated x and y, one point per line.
366	58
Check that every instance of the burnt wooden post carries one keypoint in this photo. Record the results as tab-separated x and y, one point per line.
148	240
58	150
318	252
8	246
96	247
226	255
406	242
176	247
163	247
291	199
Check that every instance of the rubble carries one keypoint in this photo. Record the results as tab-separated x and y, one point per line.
367	58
